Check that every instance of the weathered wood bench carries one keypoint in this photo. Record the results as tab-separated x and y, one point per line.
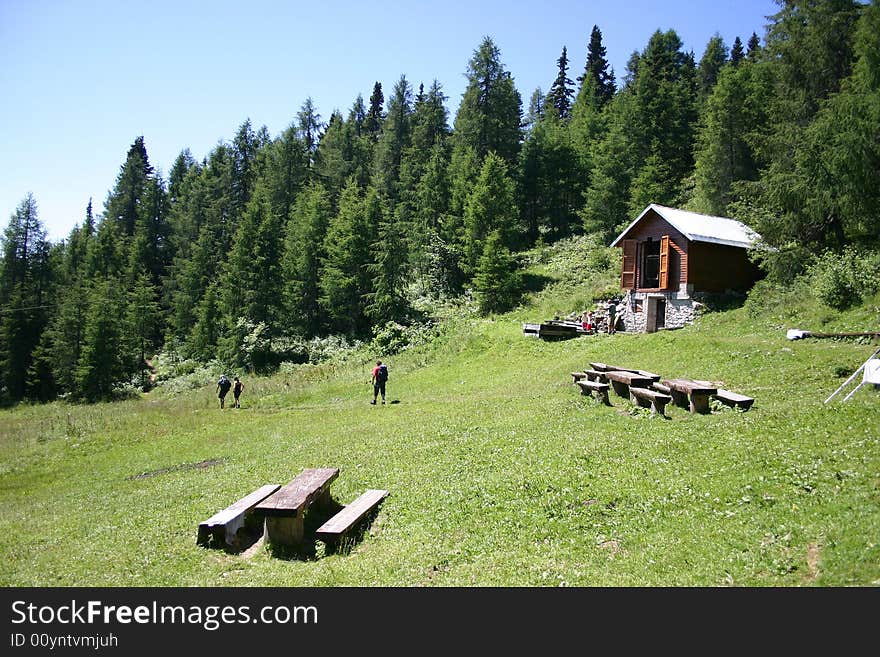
336	528
595	389
577	376
224	525
733	399
690	394
660	387
622	381
646	397
655	378
596	375
285	509
604	367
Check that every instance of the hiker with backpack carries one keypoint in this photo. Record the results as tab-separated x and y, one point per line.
237	389
223	386
380	376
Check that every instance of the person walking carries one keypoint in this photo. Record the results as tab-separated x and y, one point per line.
612	315
223	386
379	377
237	388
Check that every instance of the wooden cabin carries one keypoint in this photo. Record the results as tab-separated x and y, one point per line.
671	257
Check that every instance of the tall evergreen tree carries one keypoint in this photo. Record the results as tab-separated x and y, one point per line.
498	282
131	185
387	300
344	279
736	52
102	364
714	59
25	279
375	114
597	79
303	253
394	141
490	114
561	94
490	207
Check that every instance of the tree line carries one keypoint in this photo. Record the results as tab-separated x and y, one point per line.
338	227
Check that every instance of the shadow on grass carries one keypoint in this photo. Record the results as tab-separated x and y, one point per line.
534	282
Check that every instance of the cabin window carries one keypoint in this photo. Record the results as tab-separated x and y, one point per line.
650	263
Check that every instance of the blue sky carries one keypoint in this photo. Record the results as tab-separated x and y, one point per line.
81	79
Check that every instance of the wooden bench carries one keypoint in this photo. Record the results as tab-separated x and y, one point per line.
576	376
596	375
334	530
285	509
622	381
224	525
660	387
604	367
733	399
645	397
595	389
655	378
690	394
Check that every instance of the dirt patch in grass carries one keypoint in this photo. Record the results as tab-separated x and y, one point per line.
814	552
201	465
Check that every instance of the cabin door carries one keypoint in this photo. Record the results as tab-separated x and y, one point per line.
656	314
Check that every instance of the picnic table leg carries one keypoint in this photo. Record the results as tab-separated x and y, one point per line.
285	531
621	389
699	403
679	398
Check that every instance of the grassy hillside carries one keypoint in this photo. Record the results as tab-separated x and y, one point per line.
500	472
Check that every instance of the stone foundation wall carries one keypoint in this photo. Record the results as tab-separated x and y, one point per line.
681	310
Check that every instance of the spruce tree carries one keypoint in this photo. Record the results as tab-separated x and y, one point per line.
490	207
561	94
498	282
375	114
388	269
490	114
303	253
597	79
714	59
344	280
736	52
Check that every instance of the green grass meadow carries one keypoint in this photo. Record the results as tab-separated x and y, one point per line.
500	472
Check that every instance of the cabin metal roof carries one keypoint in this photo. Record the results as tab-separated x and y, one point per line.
700	227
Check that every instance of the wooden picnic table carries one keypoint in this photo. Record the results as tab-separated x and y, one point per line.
690	394
285	509
622	380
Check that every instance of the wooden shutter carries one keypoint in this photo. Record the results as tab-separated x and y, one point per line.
664	262
628	274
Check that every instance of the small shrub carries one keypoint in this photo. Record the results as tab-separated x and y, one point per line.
842	279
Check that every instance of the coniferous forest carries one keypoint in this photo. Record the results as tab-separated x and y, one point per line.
340	225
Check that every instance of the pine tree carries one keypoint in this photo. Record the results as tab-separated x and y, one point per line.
394	140
387	301
102	366
597	80
375	114
714	59
736	52
303	253
131	185
561	94
309	127
664	120
490	113
25	280
733	117
490	207
498	282
344	280
141	328
753	47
